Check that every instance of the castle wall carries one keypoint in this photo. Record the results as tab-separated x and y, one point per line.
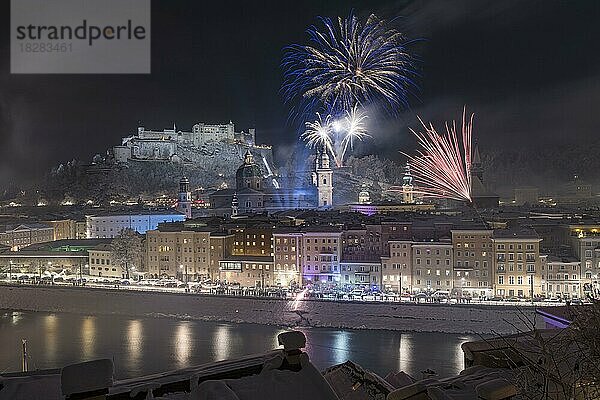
121	153
152	149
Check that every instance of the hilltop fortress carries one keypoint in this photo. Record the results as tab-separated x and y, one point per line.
203	142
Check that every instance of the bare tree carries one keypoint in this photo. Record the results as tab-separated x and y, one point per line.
126	250
553	364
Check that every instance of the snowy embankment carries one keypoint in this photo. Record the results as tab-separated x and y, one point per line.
393	316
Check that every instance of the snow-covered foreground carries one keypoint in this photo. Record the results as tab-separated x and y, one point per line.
281	312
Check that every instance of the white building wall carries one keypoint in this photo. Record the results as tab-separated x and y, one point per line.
109	226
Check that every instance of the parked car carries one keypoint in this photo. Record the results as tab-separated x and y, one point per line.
421	297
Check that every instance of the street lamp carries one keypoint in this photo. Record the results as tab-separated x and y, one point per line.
184	272
531	277
81	272
10	270
543	288
462	284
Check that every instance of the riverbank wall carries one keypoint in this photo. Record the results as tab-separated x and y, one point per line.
463	318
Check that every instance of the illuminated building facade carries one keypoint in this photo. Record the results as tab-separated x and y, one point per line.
473	261
432	266
184	254
110	225
321	256
288	258
516	263
397	267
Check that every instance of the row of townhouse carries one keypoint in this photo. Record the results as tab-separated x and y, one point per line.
186	253
585	241
483	263
474	262
18	236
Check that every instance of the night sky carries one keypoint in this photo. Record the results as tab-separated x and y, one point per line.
530	70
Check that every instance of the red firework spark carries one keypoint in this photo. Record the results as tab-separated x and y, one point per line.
442	166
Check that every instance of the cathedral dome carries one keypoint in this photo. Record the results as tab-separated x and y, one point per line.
248	175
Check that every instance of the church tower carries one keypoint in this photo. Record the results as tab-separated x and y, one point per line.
481	195
323	179
408	196
184	200
234	205
476	167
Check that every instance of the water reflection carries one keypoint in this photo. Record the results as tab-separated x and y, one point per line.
426	350
88	337
135	342
406	352
50	335
459	355
16	317
184	344
149	345
341	347
222	342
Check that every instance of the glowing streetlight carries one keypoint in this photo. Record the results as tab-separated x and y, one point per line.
184	272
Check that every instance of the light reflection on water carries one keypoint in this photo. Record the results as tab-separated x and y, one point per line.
145	345
88	337
51	335
341	346
16	317
184	344
135	342
222	341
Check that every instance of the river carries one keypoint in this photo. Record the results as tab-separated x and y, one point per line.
141	346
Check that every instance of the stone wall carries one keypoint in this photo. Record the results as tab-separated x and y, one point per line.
404	317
